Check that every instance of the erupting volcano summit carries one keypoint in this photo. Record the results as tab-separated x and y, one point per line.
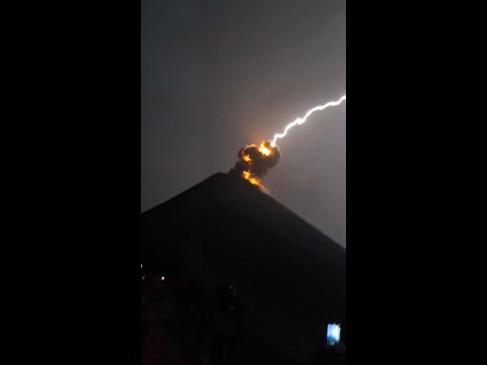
254	161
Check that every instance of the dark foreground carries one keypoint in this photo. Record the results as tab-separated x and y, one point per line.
231	276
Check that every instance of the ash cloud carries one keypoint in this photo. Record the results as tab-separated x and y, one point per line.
251	159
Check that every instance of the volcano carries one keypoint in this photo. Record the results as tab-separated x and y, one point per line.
289	275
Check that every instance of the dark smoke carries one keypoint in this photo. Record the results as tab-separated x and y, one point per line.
259	163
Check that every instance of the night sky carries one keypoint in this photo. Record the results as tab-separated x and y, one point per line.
217	75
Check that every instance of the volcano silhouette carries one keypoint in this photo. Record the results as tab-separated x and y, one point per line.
290	275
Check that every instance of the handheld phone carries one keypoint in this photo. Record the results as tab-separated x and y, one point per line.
332	333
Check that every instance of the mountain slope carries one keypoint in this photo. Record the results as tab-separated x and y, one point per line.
290	275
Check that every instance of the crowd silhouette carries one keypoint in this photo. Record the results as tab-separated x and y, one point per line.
193	327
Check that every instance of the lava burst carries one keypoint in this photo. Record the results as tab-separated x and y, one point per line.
255	160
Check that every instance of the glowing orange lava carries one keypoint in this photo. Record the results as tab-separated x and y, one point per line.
265	150
250	178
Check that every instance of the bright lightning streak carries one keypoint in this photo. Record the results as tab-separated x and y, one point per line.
302	120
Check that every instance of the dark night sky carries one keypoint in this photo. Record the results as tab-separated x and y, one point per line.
217	75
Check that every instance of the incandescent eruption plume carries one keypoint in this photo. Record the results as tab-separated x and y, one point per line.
255	160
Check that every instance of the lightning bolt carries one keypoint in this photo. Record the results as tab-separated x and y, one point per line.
302	120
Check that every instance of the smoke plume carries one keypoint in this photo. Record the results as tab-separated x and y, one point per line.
256	160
